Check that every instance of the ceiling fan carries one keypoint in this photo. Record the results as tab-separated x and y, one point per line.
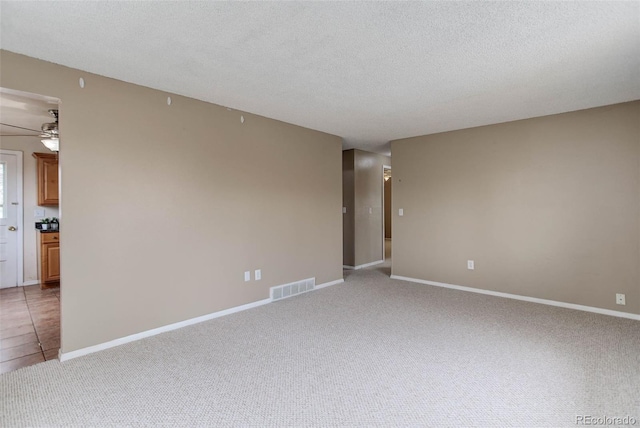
48	132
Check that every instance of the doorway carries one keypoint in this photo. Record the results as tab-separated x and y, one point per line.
29	300
386	214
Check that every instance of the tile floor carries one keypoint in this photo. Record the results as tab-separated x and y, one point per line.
29	326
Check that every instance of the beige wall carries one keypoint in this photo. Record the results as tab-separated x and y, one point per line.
547	207
29	145
367	206
165	206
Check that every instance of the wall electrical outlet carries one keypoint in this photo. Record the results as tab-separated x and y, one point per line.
620	299
471	265
344	210
247	276
400	212
258	274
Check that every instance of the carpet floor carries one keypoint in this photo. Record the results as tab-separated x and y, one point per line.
369	352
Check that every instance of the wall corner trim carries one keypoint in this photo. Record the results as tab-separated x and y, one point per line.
65	356
362	266
523	298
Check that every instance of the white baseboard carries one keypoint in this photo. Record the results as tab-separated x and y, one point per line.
329	284
524	298
31	282
362	266
65	356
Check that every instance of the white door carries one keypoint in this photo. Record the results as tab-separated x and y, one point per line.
8	220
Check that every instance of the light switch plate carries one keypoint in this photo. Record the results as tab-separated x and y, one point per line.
247	276
344	210
258	274
38	212
471	265
400	212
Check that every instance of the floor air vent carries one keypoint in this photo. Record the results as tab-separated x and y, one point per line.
288	290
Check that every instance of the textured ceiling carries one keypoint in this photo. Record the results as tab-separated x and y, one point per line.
368	72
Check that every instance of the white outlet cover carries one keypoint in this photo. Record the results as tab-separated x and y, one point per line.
247	276
471	265
258	274
38	212
344	210
400	212
620	299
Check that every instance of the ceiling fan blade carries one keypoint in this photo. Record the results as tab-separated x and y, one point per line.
20	127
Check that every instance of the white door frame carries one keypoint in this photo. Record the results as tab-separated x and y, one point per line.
383	213
20	219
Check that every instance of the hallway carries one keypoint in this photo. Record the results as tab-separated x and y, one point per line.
386	266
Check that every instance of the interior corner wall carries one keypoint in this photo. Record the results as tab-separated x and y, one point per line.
348	204
546	207
163	200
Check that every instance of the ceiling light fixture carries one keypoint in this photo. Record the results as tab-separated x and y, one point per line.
52	144
50	131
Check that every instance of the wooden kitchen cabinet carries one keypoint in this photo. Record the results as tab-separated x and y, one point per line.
49	257
47	178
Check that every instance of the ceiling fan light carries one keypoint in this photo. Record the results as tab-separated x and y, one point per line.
52	144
